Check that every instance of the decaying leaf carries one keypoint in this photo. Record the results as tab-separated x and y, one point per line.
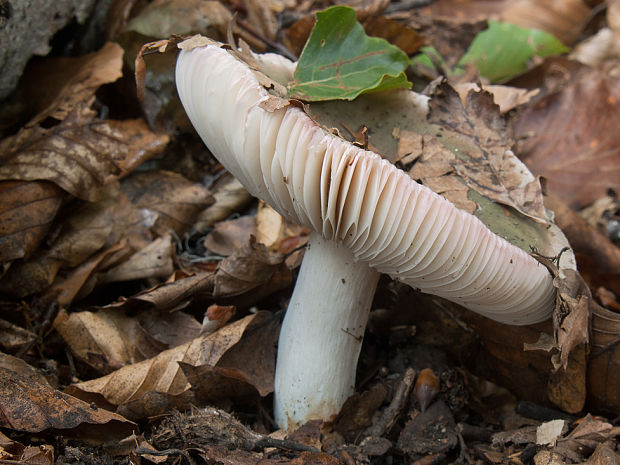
26	213
30	404
229	236
161	375
174	199
80	154
249	268
570	137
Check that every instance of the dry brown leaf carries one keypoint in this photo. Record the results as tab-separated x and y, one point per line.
174	199
26	213
229	236
30	404
589	433
90	227
604	362
570	137
563	19
13	337
506	97
73	283
106	341
80	154
162	373
249	268
152	261
487	166
230	196
176	293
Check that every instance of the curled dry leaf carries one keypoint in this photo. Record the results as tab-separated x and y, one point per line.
230	196
229	236
161	374
152	261
90	228
109	340
26	213
578	152
174	199
249	268
482	156
30	404
80	154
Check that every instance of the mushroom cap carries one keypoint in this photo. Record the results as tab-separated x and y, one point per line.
352	195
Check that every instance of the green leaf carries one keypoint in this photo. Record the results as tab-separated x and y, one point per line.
340	61
504	50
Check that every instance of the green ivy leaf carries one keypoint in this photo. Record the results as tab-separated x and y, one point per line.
503	50
340	61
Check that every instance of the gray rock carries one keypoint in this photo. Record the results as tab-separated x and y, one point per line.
26	28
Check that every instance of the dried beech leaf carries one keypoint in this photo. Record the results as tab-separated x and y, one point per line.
90	227
26	213
174	199
81	154
229	236
178	292
13	338
153	261
230	196
69	82
107	340
482	155
162	374
247	269
570	137
604	362
30	404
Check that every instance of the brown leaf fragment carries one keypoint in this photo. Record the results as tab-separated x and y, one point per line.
176	200
586	437
254	356
60	84
230	196
563	19
430	432
30	404
153	261
106	341
604	362
90	228
484	160
506	97
162	373
216	316
13	337
74	283
177	292
248	268
26	213
570	137
81	154
229	236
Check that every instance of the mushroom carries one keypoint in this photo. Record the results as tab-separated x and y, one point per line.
368	217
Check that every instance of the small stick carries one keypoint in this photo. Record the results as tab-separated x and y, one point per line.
391	412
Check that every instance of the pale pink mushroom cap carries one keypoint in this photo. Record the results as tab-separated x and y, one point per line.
353	196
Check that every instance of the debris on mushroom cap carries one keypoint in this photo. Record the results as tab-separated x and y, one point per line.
352	195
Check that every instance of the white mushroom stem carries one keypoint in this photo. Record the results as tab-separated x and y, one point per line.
322	334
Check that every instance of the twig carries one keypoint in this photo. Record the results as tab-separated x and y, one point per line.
275	45
145	451
391	412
